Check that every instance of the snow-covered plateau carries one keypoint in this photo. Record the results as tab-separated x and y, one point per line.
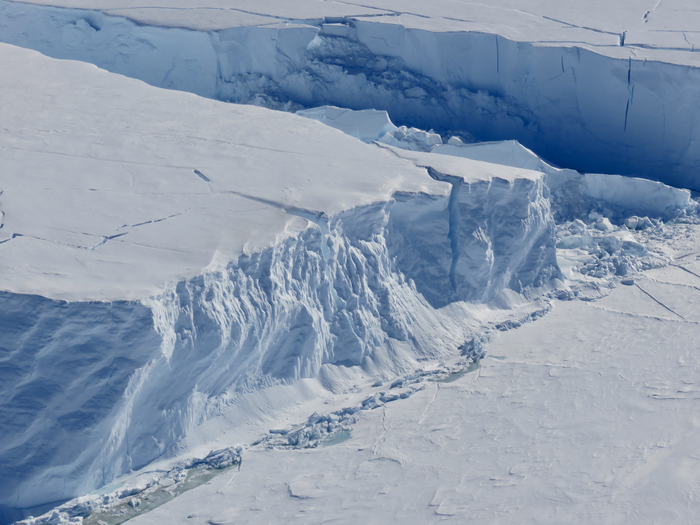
358	261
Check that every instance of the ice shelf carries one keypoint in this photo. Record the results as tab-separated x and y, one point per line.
176	269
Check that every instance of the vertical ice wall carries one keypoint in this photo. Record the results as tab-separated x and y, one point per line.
577	108
574	107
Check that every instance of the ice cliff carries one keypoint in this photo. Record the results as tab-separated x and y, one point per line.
595	112
166	255
94	390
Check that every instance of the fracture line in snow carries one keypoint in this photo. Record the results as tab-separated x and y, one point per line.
208	8
430	403
581	27
234	476
650	11
291	210
685	269
388	12
149	222
644	316
382	437
659	302
79	247
676	284
273	18
692	46
104	241
100	159
202	176
10	238
684	256
661	48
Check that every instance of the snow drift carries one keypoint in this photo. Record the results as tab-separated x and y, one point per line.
577	108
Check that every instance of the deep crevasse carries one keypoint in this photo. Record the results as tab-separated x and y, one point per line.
373	290
577	108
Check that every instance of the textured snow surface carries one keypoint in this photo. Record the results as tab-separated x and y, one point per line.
581	99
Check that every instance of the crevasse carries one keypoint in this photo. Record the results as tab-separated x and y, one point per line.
572	106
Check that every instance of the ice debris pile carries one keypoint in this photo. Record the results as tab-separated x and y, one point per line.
145	492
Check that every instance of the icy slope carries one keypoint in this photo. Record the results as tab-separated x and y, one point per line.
230	249
615	96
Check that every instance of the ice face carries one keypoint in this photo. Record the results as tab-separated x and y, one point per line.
349	292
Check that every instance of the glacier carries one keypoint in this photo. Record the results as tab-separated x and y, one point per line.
180	273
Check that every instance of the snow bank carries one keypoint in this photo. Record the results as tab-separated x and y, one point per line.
580	109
